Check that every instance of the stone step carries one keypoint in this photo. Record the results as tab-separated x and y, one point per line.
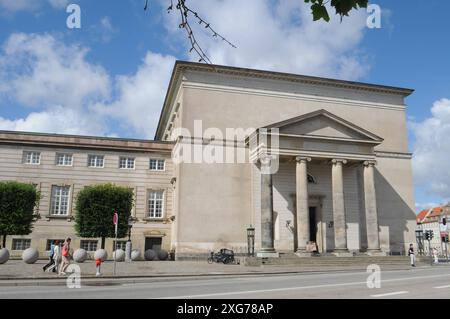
333	261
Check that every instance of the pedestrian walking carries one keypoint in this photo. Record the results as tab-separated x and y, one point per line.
56	257
411	255
65	256
50	255
98	265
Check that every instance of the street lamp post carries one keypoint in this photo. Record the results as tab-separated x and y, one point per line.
251	241
128	245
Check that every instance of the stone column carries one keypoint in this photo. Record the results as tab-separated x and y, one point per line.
267	233
302	204
370	201
340	231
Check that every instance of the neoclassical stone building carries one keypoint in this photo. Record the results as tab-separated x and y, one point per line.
302	159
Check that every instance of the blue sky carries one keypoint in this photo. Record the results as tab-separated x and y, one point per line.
121	50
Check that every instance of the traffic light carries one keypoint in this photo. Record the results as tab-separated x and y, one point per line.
429	235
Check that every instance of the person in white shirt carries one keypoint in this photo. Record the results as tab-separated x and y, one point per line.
56	257
411	255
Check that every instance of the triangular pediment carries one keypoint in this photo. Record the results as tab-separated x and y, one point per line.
322	123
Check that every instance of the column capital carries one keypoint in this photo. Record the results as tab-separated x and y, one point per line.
265	159
338	161
304	159
369	163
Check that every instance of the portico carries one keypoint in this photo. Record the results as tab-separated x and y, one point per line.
326	141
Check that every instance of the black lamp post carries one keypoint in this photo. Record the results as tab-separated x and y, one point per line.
251	241
420	239
128	247
130	225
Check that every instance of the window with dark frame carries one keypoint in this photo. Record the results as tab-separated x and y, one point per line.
20	244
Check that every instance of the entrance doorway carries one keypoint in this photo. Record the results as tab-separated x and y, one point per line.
312	224
153	243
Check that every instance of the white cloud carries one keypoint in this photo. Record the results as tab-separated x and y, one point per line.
57	120
279	36
103	30
141	96
431	161
30	5
37	70
59	4
71	95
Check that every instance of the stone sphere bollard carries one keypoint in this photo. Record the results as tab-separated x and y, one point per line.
135	254
101	254
4	255
119	255
80	255
163	254
150	254
30	255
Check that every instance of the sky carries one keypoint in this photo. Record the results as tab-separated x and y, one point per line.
109	76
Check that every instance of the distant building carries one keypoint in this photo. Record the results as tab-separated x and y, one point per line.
431	219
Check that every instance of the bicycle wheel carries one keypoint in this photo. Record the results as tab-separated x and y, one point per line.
210	260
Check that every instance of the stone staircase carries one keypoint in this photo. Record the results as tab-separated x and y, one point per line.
328	260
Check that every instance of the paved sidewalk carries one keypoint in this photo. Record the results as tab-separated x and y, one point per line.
17	271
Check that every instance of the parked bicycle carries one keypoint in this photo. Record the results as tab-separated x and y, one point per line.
225	256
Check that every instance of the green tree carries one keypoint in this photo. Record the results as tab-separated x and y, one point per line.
342	7
95	206
17	203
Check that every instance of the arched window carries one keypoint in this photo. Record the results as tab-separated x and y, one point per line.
311	179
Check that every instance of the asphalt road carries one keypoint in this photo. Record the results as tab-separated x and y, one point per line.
432	282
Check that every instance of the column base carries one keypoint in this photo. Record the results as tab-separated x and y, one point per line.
375	252
303	253
267	254
342	253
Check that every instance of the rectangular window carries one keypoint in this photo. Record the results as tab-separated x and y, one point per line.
89	245
20	244
49	242
121	244
157	164
96	160
155	204
126	162
32	158
64	159
60	201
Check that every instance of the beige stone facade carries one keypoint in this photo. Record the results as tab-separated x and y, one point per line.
354	136
343	169
47	174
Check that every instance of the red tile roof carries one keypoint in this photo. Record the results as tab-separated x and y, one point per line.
425	214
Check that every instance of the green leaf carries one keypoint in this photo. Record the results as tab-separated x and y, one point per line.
320	12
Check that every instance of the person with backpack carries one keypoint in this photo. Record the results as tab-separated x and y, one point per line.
65	255
50	254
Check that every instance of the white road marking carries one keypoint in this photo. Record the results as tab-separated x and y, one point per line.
442	287
298	288
390	294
